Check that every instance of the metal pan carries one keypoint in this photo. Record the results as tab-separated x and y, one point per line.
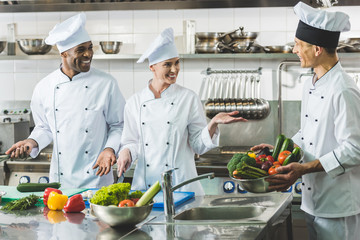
209	36
278	49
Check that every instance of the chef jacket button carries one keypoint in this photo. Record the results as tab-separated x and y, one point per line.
143	123
310	143
144	105
147	165
146	144
167	143
302	138
56	109
87	172
61	174
86	109
310	92
166	165
316	120
172	103
59	152
322	97
86	131
303	184
309	188
86	152
306	115
86	86
57	87
57	131
149	185
168	122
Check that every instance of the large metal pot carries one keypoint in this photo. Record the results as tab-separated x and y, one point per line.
238	35
351	45
278	49
246	46
208	36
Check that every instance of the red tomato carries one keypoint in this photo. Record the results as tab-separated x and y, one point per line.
276	163
283	155
126	203
272	169
270	158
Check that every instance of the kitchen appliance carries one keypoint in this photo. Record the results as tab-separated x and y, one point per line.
11	131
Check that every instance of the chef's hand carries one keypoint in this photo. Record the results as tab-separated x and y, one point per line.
22	149
124	161
259	147
287	176
104	162
223	118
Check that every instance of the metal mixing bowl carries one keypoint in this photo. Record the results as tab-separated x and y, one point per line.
2	45
34	46
121	216
258	185
110	47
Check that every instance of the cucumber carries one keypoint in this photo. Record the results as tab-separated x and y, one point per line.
278	143
293	157
149	195
36	187
288	145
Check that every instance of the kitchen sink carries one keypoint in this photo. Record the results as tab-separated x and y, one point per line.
229	209
220	213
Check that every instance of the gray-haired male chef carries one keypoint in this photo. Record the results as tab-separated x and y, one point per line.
79	109
330	130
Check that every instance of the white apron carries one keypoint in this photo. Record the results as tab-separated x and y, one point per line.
81	117
165	133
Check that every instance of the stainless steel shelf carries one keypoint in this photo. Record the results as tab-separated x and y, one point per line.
183	56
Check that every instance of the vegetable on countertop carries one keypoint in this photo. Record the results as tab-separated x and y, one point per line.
22	203
111	195
36	187
56	201
74	204
149	194
47	193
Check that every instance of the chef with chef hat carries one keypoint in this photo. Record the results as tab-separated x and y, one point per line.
164	124
77	108
330	130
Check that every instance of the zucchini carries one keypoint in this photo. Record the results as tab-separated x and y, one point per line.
288	145
36	187
278	143
293	157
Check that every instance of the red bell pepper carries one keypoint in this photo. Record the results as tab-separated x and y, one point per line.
74	204
47	193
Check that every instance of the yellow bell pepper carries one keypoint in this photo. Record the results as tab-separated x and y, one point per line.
56	201
56	216
252	154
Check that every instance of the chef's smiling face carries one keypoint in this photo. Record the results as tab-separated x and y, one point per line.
166	71
305	52
77	59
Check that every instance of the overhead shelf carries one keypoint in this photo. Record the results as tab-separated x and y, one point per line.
101	5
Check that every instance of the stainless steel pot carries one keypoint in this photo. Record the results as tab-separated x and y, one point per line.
351	45
238	35
278	49
208	36
249	108
2	45
246	46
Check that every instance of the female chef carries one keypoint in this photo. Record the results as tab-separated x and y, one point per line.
164	124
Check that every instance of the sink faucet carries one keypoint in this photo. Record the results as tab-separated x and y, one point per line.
168	189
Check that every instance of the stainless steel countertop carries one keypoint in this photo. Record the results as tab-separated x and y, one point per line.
39	224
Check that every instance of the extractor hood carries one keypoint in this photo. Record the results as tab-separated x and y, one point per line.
100	5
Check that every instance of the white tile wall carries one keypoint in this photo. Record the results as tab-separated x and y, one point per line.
136	29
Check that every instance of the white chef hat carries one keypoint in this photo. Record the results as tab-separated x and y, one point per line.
319	27
69	33
162	48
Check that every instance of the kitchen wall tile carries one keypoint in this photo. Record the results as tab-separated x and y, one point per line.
66	15
221	64
142	42
7	89
7	66
141	80
97	22
48	66
247	64
24	83
353	13
121	22
146	21
201	17
25	25
180	79
268	86
193	81
291	20
121	65
126	83
41	75
290	38
101	64
249	18
194	65
171	18
221	20
272	38
273	19
5	19
45	21
24	66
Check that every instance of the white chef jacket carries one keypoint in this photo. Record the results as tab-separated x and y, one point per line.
165	133
330	132
82	117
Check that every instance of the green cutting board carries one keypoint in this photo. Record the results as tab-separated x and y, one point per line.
13	194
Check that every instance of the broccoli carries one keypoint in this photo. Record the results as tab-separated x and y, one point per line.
136	194
248	160
231	166
112	194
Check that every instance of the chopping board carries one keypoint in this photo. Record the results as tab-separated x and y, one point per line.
12	193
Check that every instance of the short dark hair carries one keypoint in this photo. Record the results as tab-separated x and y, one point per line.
330	51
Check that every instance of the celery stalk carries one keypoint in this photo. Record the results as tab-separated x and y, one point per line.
149	195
